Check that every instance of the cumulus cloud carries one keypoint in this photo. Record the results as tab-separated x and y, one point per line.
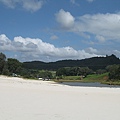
103	26
116	52
91	50
36	49
65	19
29	5
5	43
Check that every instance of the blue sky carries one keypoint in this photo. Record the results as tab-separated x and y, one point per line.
51	30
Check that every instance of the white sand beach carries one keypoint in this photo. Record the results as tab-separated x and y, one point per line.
42	100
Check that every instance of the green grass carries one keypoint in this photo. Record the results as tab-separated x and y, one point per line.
68	79
101	78
96	78
117	82
71	78
89	78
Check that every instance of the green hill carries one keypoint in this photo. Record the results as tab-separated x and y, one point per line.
93	63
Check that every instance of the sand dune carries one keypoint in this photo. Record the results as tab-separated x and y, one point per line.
42	100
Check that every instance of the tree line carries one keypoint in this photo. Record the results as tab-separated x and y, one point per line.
112	70
13	66
74	71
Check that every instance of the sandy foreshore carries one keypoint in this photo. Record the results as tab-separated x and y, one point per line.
41	100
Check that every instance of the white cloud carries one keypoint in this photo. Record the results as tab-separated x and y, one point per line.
90	0
29	5
116	52
65	19
9	3
36	49
54	37
32	5
74	2
104	26
91	50
100	38
5	43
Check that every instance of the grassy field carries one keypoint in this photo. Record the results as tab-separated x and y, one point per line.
96	78
111	82
90	78
101	78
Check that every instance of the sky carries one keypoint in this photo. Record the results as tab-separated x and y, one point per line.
52	30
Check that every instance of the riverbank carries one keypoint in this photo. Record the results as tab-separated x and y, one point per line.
45	100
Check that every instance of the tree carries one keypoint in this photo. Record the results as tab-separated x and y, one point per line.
73	71
100	71
5	70
2	62
14	66
61	72
45	74
117	74
114	72
84	71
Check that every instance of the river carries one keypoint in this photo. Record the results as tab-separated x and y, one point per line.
95	84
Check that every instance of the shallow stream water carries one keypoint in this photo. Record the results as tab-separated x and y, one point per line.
96	84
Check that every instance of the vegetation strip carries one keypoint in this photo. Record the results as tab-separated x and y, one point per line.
110	74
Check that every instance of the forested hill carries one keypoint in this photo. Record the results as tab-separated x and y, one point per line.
93	63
